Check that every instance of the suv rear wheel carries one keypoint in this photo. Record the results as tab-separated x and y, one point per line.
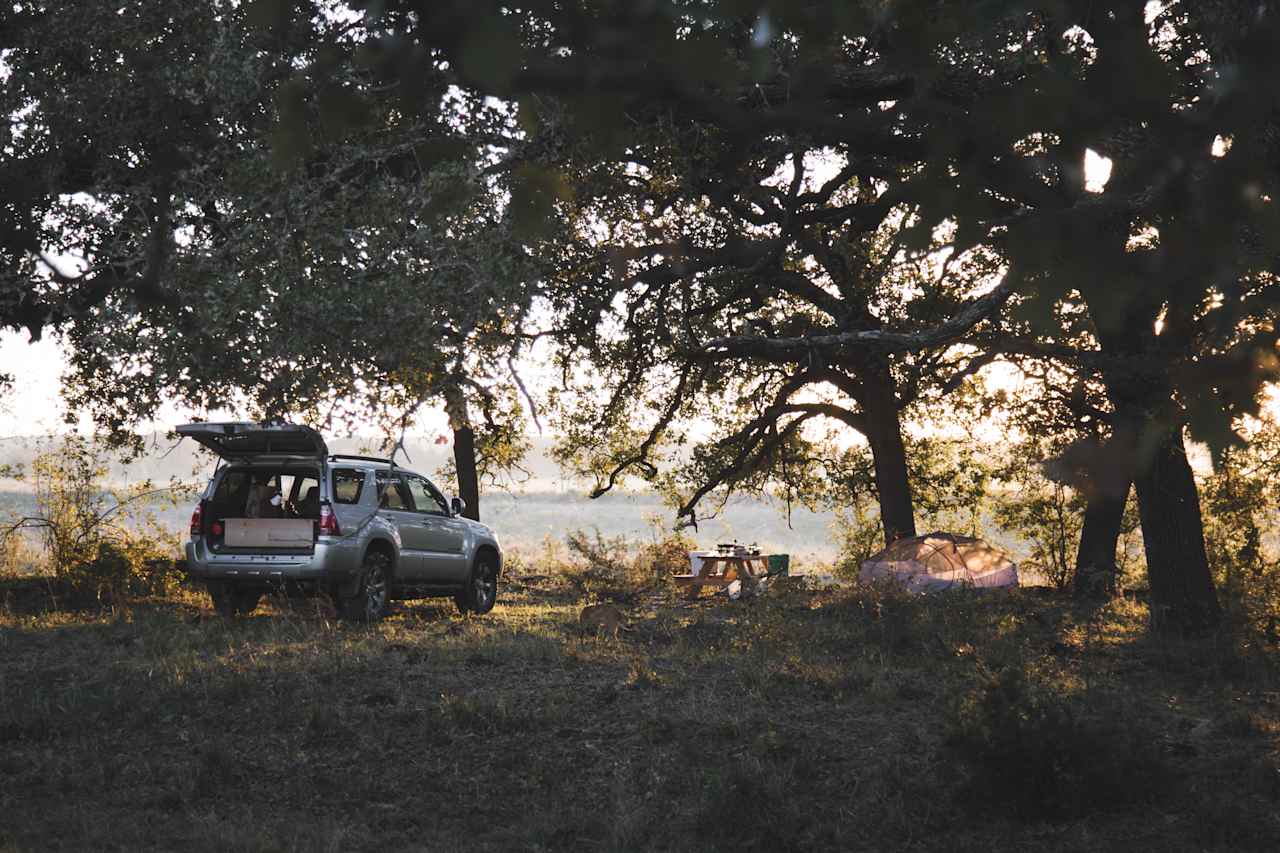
481	591
230	600
369	604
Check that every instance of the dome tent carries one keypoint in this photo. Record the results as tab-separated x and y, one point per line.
939	561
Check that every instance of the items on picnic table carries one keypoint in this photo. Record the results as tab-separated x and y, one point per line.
735	568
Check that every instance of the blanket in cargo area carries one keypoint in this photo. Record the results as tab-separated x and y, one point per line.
269	532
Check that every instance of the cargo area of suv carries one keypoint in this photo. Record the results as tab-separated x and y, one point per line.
263	508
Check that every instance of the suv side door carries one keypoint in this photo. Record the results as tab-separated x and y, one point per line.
444	553
395	505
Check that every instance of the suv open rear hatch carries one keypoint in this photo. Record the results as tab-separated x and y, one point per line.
240	441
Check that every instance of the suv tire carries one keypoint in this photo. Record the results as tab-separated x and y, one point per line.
481	591
369	604
231	600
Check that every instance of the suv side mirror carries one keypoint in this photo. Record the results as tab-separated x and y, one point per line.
457	505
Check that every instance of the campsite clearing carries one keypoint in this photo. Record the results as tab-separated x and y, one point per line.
846	719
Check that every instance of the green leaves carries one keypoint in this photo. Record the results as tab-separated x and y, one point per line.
535	191
491	53
342	109
290	135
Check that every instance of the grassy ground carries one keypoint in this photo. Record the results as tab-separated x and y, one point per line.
841	719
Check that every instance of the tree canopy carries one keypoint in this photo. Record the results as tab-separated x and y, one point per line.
771	214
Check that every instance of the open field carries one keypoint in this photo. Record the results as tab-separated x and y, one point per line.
525	520
841	719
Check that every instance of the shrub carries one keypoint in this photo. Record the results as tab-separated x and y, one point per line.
97	539
607	567
18	556
1049	516
598	564
1047	757
664	556
138	565
1237	500
859	532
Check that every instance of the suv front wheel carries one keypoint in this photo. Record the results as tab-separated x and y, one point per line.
369	604
481	591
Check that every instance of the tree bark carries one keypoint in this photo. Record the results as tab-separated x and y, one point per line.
1147	427
464	461
884	434
1182	593
1096	575
464	452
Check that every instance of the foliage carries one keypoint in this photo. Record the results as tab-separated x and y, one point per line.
1052	757
953	481
613	568
859	536
1044	513
600	567
103	539
19	556
1240	500
243	204
243	242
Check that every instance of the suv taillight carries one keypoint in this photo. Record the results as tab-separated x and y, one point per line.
197	525
328	521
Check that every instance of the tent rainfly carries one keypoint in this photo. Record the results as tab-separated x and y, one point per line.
940	561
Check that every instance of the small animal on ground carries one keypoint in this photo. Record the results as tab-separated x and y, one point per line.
597	617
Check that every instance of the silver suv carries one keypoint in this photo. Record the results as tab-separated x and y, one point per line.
282	512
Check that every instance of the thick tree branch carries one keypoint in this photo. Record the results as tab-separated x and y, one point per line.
944	333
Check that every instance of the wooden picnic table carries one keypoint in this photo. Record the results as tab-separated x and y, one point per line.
720	570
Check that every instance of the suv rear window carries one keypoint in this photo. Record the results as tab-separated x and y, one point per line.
348	483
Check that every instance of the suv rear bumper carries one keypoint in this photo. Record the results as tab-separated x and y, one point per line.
332	562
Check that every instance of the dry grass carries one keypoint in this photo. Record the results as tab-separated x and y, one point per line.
798	721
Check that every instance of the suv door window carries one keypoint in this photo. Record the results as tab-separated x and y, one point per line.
425	497
392	493
347	485
439	498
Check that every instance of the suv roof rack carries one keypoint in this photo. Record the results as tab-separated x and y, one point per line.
360	458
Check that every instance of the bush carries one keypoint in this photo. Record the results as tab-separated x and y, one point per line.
137	566
599	565
1047	757
1049	516
18	556
98	539
615	568
1237	501
860	534
664	556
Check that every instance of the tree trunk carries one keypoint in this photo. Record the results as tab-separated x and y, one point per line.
1182	593
464	461
1148	427
884	434
464	452
1096	575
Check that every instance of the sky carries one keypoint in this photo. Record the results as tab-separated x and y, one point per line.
31	406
